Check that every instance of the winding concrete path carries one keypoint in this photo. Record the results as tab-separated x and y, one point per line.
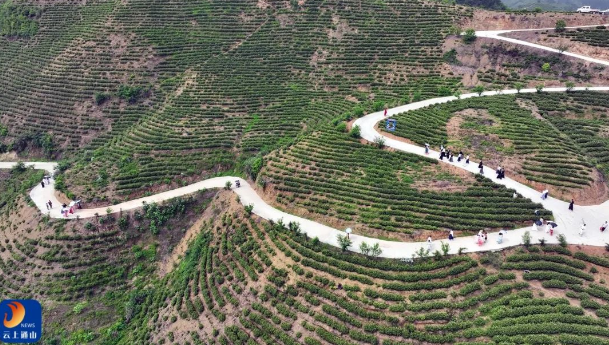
497	34
568	222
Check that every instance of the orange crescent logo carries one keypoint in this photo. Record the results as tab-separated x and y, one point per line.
18	312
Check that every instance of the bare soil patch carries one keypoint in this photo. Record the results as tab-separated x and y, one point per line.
492	20
542	38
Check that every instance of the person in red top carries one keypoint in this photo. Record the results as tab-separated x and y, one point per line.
385	111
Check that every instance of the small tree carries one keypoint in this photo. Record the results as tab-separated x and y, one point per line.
562	48
539	88
479	89
379	142
355	132
376	250
364	248
294	227
561	25
526	239
457	94
562	240
422	252
469	36
228	185
545	67
445	248
518	86
248	209
570	85
344	242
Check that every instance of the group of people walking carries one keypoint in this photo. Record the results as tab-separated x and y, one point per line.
449	155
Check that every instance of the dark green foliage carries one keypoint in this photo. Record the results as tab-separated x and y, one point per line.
488	4
130	93
17	20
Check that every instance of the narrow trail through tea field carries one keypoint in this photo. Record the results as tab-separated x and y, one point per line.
497	34
568	222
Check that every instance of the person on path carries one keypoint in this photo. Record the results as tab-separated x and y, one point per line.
501	173
498	172
500	237
42	183
548	227
515	195
442	155
571	205
450	159
385	112
467	159
481	167
604	226
426	148
451	235
238	183
485	236
429	243
47	204
50	204
535	228
582	229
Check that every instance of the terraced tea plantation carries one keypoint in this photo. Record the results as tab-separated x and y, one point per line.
127	89
598	37
338	180
248	282
554	139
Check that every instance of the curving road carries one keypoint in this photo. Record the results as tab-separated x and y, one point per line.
568	222
497	34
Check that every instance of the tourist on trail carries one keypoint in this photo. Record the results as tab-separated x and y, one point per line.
441	155
498	172
571	204
582	229
500	237
426	148
604	226
385	112
50	204
238	183
515	195
450	159
485	236
467	159
441	147
47	205
460	156
549	228
535	228
429	243
42	183
481	167
451	235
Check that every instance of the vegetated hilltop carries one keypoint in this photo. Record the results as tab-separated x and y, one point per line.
550	141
